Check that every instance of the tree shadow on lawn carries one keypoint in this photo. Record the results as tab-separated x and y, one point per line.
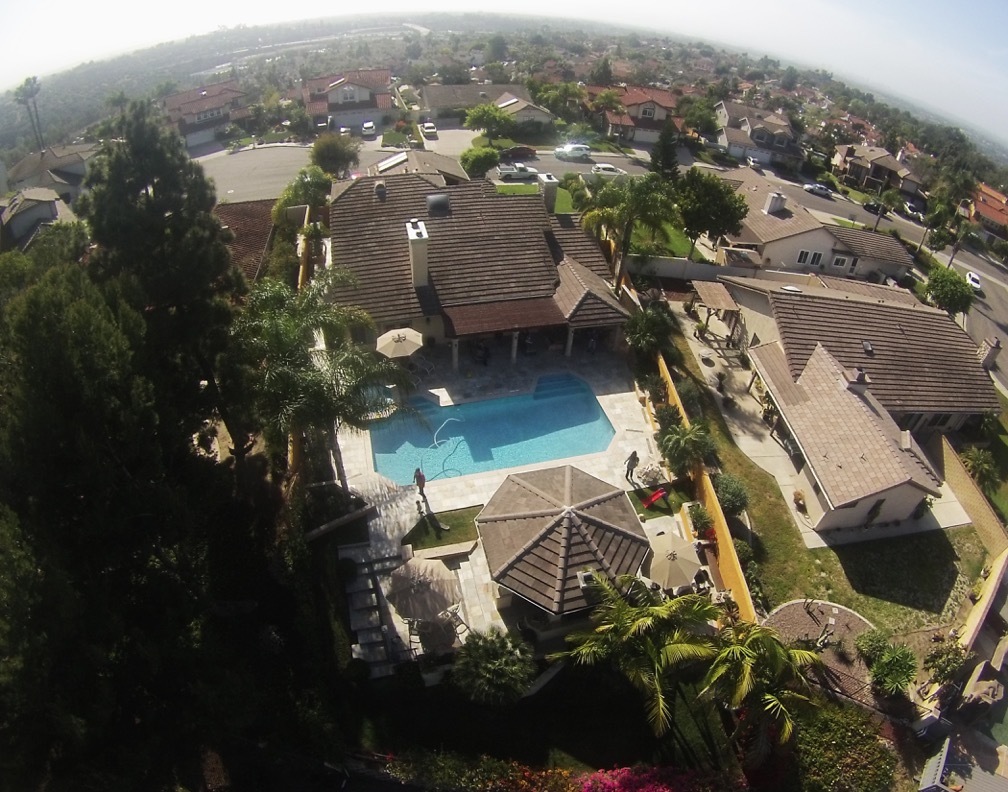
590	714
918	572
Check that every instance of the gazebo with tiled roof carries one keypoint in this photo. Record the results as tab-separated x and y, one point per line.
544	530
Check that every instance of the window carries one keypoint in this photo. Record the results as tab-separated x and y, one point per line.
840	261
349	94
647	112
780	141
816	259
803	257
853	266
203	116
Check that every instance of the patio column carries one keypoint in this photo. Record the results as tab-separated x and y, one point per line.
514	347
454	349
570	342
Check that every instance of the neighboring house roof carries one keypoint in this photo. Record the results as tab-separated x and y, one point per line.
492	259
420	161
585	299
25	200
206	97
372	79
633	95
759	227
872	245
848	439
867	156
543	527
447	97
991	205
24	203
918	359
56	160
251	225
866	289
512	105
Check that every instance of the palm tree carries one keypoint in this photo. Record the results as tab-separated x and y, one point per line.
890	199
757	681
648	331
963	233
646	638
981	465
307	374
623	206
26	94
686	447
608	100
493	668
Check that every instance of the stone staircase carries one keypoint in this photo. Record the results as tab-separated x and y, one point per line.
368	619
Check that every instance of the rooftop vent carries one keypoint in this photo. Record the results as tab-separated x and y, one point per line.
790	288
379	190
483	94
867	347
438	205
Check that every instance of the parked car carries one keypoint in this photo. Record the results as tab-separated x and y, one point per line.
572	151
344	131
519	171
605	170
754	163
876	208
974	281
368	129
517	153
913	212
428	129
818	189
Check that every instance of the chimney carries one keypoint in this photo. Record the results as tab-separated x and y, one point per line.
416	232
987	354
548	184
905	442
774	203
379	190
857	380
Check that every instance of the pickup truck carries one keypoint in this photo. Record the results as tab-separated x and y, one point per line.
516	172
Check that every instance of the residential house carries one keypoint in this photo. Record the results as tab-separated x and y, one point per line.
873	169
786	236
923	368
251	226
767	137
461	262
27	213
988	208
444	101
349	99
440	169
646	111
524	113
956	768
200	113
58	168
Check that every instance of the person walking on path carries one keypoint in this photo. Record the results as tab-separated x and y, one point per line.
420	479
631	465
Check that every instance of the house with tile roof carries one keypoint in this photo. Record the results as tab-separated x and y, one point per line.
200	113
786	236
349	98
462	262
922	367
523	112
859	467
988	208
29	211
873	169
252	229
446	101
768	137
58	168
429	163
646	111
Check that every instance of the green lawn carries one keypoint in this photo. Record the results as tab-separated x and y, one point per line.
564	204
677	243
435	530
678	494
901	584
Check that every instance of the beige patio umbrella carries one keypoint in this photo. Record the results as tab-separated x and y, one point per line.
402	342
675	562
422	589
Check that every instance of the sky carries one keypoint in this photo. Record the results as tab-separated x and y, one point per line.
946	56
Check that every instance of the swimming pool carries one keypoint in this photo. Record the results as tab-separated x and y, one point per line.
560	418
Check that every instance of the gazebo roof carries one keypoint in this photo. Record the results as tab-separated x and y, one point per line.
541	528
715	296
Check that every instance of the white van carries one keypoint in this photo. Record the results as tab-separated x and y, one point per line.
572	151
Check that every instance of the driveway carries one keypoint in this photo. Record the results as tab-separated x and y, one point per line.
254	174
450	142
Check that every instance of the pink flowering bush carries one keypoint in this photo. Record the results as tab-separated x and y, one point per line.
657	779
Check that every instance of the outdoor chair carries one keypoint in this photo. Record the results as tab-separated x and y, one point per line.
420	365
456	621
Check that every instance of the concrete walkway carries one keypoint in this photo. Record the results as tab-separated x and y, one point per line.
752	436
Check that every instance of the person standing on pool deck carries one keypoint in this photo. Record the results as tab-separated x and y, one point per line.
420	480
631	465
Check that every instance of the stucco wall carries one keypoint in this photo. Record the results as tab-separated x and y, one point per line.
898	504
783	253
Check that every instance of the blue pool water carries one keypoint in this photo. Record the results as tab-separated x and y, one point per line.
561	418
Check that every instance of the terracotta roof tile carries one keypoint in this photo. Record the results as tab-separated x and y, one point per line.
585	299
252	226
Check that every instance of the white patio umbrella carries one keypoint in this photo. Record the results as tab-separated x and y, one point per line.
423	589
398	343
675	562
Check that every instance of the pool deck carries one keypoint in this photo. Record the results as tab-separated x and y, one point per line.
608	376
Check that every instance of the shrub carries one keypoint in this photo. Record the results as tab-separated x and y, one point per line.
894	670
691	398
667	415
731	494
493	668
701	519
477	161
946	660
871	644
744	552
